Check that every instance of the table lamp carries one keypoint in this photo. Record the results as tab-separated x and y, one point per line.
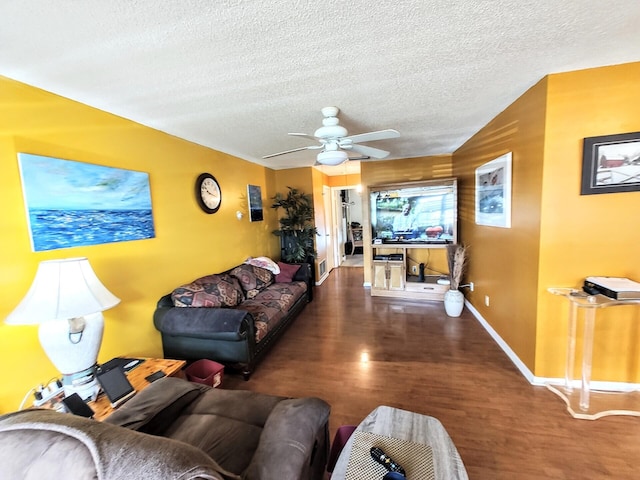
66	299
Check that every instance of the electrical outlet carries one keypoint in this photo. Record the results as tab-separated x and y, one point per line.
471	286
486	300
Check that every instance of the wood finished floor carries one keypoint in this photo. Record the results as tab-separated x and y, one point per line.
421	360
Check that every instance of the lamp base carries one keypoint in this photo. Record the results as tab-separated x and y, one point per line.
83	383
70	350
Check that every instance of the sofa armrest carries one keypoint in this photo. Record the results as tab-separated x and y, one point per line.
203	322
166	301
155	408
49	444
304	275
287	443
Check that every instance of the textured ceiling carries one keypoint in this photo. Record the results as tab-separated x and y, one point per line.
238	75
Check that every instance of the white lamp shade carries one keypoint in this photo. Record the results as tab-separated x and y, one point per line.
61	290
332	157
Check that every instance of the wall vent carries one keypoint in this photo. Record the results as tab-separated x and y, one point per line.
322	267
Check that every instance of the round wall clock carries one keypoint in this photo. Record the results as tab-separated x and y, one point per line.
208	193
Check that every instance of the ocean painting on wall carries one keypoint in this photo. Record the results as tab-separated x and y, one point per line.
72	204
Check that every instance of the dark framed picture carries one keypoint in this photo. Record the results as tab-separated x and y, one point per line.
611	164
254	193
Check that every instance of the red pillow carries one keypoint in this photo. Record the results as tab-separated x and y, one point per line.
287	271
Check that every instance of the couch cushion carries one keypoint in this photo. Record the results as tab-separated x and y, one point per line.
219	290
226	424
269	306
252	279
287	272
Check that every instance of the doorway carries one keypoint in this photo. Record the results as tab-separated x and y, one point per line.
347	215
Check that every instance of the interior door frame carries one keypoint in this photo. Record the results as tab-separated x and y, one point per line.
329	230
339	235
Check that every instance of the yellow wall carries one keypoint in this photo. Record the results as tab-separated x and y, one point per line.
397	171
504	262
347	180
584	235
188	242
553	240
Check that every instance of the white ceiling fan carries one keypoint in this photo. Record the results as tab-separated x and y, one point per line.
335	141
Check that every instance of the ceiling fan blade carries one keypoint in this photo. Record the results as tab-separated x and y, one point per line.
310	147
369	151
371	136
305	135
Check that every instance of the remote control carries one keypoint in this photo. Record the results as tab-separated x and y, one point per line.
386	461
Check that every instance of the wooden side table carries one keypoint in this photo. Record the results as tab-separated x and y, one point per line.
172	368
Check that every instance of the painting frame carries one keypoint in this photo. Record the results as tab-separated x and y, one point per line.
70	204
254	194
611	164
493	192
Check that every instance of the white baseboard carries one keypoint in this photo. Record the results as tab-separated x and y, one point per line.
543	381
322	279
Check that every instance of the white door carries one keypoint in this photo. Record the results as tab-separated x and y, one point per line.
338	226
327	228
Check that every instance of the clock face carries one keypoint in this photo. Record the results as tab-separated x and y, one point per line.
208	193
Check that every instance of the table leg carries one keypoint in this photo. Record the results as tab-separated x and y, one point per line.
571	347
587	357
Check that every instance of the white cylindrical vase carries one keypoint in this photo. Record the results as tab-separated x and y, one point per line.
453	303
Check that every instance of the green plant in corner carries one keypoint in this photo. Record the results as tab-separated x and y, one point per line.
297	230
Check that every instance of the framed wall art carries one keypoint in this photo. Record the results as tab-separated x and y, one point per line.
611	164
254	192
72	204
493	192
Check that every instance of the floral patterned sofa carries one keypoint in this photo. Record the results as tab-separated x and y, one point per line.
233	317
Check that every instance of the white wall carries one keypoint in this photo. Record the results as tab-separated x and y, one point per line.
355	210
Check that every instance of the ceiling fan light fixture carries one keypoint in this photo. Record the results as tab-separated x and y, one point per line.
335	157
333	138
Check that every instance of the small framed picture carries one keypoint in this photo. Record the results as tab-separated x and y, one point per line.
611	164
254	192
493	192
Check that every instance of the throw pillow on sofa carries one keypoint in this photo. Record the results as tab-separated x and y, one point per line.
287	272
252	279
219	290
263	262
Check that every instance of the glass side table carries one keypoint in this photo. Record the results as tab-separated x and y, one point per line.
585	403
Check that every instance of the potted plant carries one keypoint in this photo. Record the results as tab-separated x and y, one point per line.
457	260
297	230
